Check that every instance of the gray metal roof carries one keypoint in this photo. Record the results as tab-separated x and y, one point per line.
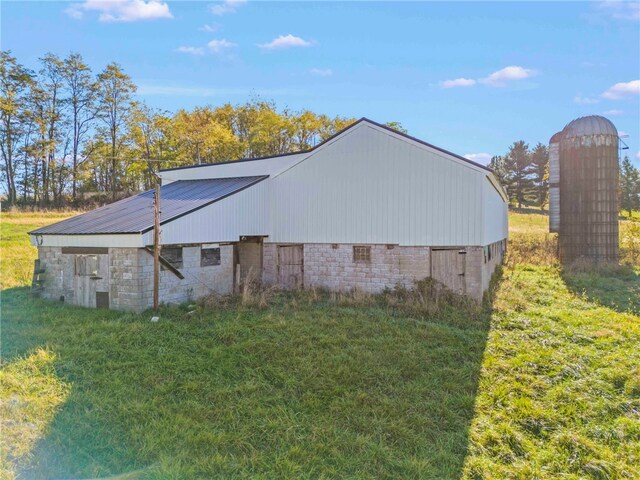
591	125
135	214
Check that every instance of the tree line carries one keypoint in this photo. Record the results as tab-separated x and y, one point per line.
524	171
66	131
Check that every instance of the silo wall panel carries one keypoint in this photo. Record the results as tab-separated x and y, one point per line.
589	198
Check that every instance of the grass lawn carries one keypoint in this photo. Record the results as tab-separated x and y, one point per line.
16	253
542	383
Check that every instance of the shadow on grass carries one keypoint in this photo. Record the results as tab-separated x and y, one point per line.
529	210
617	288
296	390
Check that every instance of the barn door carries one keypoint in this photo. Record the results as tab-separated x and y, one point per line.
89	280
290	266
448	267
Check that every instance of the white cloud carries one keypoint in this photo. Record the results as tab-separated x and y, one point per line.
499	78
507	74
638	154
217	46
210	28
74	11
613	113
617	10
458	82
321	72
482	158
622	89
228	6
121	10
580	100
285	41
191	50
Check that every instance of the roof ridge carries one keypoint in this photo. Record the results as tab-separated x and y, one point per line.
340	132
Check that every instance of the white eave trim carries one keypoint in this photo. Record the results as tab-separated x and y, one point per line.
127	240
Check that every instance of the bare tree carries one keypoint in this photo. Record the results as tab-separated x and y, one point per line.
82	99
115	90
15	82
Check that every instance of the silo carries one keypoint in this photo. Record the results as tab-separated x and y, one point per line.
554	183
589	191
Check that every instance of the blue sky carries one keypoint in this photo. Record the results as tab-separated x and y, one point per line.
470	77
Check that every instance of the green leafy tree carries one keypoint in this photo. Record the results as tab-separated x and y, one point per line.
200	137
396	126
629	186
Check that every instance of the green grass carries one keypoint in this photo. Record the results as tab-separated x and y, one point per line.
544	383
294	392
16	254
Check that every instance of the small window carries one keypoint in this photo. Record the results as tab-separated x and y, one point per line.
361	254
209	257
86	265
173	255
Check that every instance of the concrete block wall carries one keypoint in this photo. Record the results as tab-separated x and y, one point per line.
331	266
198	281
130	277
473	272
269	263
59	273
490	266
125	282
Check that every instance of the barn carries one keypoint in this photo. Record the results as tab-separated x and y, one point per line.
367	209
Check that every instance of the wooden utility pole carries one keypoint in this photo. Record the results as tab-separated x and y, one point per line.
156	246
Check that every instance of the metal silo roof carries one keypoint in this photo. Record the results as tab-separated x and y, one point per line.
135	214
591	125
556	137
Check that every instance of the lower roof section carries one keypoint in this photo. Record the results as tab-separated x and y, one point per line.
134	215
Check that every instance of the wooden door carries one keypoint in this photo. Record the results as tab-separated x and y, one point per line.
290	266
90	279
448	267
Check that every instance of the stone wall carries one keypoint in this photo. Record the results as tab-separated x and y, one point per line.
130	277
332	266
125	282
198	281
58	275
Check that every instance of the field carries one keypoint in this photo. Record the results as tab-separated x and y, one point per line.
542	382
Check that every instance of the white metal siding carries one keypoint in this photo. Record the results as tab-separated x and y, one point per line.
371	186
495	214
243	213
268	166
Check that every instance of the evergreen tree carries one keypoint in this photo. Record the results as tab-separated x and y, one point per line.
629	186
519	172
540	171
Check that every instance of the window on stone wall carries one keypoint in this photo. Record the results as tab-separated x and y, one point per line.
361	254
87	265
173	255
209	257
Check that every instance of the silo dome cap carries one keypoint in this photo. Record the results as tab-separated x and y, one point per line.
556	138
591	125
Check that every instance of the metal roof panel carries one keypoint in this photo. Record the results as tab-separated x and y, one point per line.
135	214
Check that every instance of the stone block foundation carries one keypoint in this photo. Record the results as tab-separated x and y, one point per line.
332	266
